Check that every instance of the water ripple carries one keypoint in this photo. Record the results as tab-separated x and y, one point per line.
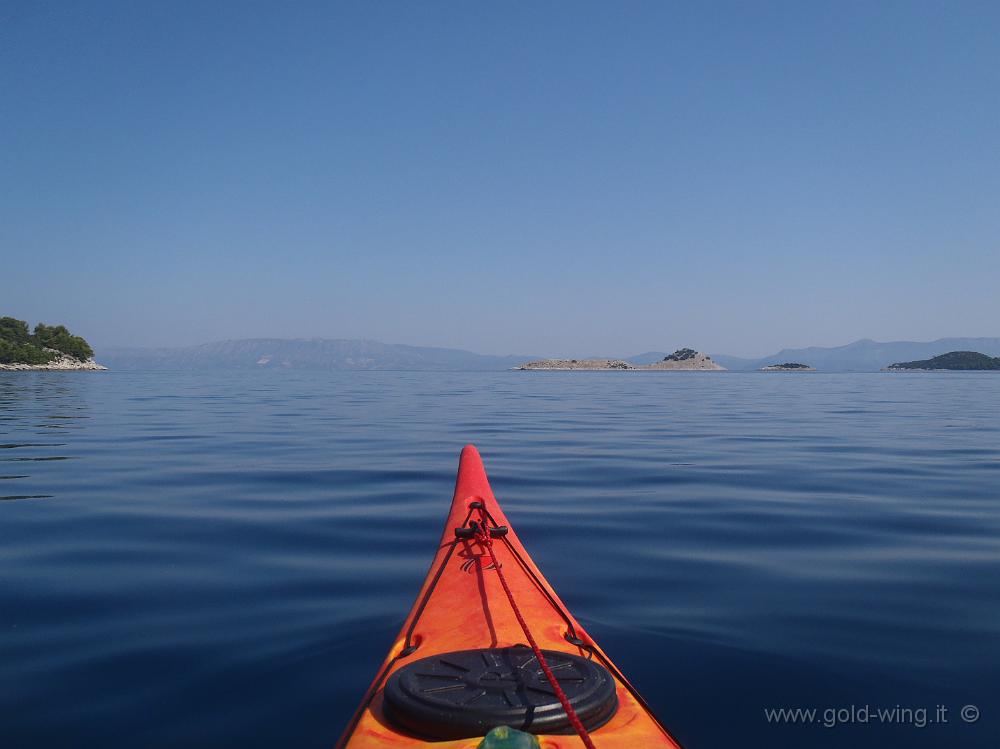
223	555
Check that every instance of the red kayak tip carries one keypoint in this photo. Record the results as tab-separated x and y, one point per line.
471	480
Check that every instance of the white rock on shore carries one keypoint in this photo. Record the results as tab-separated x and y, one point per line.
565	364
64	363
687	360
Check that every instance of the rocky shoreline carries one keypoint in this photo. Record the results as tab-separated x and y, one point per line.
570	364
681	360
63	364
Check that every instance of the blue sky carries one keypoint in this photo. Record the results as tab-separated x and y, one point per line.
544	178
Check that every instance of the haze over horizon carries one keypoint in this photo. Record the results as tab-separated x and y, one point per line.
515	179
614	355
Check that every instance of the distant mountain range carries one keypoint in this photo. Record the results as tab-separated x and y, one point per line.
865	355
303	353
349	354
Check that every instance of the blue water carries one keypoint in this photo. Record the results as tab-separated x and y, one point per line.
222	559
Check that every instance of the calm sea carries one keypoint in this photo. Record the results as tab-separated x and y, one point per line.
223	559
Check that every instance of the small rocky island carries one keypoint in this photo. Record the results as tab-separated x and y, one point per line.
789	366
49	347
953	361
684	359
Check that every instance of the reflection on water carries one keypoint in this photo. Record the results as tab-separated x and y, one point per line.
27	402
222	559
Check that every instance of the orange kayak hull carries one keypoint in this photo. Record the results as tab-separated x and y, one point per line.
462	606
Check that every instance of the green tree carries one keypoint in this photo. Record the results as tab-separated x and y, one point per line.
18	346
13	353
14	330
59	338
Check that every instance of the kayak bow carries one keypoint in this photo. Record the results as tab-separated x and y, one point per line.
460	666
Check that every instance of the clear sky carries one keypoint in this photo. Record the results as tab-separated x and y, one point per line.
532	177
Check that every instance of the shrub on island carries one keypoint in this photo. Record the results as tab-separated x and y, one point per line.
45	344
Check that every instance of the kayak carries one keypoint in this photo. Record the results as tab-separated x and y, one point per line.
463	666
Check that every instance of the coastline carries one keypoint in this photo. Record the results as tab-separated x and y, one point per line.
62	364
562	367
683	360
925	369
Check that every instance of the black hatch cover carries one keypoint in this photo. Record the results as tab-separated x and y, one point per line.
466	693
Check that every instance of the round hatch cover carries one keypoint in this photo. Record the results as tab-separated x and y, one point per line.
464	694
